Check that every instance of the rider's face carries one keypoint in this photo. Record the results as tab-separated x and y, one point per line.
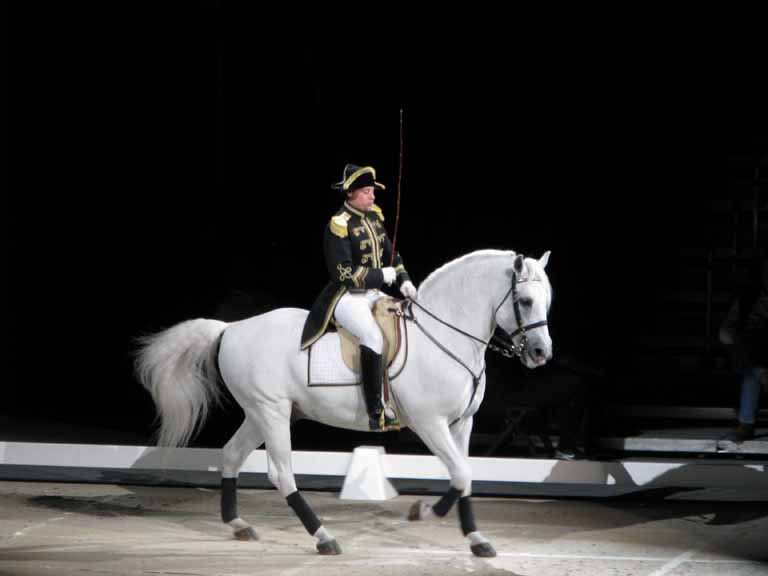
362	198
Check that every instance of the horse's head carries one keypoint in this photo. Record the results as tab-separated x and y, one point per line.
523	313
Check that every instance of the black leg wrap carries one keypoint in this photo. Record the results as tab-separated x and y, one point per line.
444	505
228	499
466	516
304	512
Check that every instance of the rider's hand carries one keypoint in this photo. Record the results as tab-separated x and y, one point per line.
389	275
408	290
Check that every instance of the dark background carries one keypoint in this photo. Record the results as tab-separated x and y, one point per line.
171	163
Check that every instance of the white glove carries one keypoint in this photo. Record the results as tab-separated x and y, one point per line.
408	290
389	275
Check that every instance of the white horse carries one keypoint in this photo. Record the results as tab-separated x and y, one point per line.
436	394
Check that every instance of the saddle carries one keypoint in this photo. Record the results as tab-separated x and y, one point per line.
387	313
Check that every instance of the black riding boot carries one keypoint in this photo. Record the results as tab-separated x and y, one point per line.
372	369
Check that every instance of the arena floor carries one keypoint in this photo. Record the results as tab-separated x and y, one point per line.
91	529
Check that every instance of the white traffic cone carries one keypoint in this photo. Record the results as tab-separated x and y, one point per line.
365	479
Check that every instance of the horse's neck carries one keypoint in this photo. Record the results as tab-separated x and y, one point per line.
466	296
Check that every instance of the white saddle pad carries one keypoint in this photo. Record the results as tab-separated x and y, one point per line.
327	368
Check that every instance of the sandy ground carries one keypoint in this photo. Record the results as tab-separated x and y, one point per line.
88	529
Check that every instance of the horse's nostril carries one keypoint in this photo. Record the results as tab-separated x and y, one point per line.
539	352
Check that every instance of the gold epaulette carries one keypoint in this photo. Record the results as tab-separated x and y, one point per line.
339	224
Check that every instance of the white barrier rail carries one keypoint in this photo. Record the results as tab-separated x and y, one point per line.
731	479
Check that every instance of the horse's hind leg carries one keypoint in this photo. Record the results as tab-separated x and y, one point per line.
275	424
452	447
247	438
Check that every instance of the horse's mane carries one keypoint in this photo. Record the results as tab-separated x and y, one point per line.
532	269
451	266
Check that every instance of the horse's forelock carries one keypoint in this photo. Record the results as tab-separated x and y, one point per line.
535	271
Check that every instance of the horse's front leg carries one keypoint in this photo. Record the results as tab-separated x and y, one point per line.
452	447
479	545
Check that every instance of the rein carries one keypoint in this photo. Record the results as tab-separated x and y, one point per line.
508	349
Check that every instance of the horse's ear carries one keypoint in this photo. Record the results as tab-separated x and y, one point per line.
519	263
544	259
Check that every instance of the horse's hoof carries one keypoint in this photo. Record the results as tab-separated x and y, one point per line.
484	550
415	512
246	534
419	511
329	548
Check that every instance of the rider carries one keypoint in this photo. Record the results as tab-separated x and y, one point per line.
357	255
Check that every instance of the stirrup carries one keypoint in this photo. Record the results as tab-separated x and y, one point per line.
384	423
389	423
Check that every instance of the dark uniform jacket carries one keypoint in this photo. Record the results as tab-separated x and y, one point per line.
356	249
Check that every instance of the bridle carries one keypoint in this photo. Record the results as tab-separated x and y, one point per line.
506	348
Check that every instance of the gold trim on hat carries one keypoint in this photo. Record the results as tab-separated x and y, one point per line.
359	172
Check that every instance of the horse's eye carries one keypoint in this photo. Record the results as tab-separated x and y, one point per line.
527	302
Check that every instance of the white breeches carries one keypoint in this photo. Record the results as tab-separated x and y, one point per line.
353	312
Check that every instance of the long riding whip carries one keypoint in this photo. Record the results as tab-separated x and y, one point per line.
399	178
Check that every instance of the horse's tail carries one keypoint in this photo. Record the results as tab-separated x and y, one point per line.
178	367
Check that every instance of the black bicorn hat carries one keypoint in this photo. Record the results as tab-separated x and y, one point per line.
356	177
